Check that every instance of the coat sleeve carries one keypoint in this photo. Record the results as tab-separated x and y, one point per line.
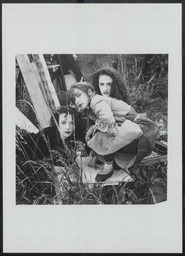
101	109
131	115
105	122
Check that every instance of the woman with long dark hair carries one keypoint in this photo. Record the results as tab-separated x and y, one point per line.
108	82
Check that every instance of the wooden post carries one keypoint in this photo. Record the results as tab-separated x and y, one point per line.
62	73
47	87
35	70
24	123
42	111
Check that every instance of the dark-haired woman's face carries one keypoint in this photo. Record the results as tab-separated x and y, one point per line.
66	125
105	83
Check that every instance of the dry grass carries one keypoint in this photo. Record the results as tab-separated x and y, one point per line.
37	182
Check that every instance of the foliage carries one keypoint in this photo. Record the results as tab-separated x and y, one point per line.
147	81
41	182
46	182
145	75
149	186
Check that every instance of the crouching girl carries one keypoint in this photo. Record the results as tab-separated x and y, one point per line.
113	132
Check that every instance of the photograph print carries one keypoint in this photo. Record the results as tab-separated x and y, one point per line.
91	129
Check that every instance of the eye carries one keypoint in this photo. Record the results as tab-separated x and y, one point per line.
63	122
77	94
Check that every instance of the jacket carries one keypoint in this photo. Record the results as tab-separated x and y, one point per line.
109	138
120	112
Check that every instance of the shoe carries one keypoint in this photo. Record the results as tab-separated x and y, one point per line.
103	177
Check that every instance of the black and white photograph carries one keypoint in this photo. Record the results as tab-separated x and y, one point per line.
92	134
91	128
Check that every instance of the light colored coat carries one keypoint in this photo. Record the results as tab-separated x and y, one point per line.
109	108
113	111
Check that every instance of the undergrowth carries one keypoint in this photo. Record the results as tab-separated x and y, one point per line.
52	180
149	186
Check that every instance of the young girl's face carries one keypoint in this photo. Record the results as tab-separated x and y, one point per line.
82	99
66	125
105	83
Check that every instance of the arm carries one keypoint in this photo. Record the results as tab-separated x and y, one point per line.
102	109
89	133
105	120
132	115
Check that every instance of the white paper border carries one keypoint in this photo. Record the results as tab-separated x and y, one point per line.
93	28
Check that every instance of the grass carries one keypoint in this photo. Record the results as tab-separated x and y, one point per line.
149	187
38	183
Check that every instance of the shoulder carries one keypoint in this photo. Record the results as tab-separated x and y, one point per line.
120	103
96	99
51	135
49	130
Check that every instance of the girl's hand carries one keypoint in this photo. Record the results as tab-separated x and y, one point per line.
89	133
114	131
103	125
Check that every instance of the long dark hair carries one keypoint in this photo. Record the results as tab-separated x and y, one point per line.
118	88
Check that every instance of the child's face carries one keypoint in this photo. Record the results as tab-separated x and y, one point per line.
82	99
66	125
105	83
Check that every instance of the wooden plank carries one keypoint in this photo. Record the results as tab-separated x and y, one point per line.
24	123
46	84
35	70
62	73
42	112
